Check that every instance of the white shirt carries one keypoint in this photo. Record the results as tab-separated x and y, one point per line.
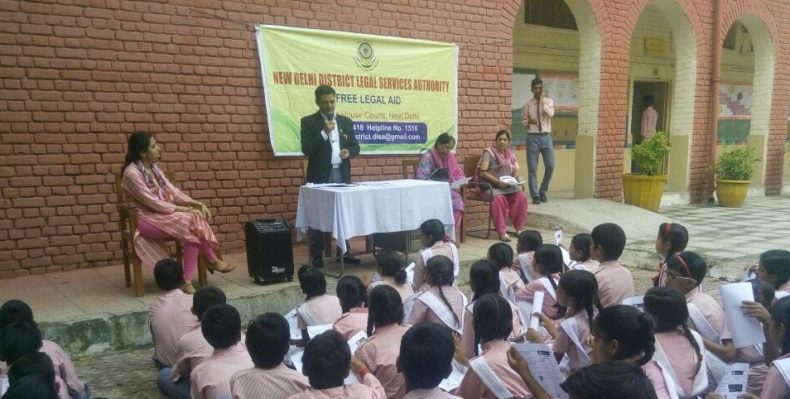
334	137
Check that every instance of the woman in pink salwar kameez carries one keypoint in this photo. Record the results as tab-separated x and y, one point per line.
165	212
441	157
509	199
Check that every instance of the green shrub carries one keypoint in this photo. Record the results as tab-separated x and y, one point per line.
735	164
650	154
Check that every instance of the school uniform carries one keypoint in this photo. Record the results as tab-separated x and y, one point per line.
573	332
428	306
662	383
211	378
679	359
434	393
615	283
468	337
523	263
369	389
380	355
590	265
275	383
322	309
777	379
405	289
550	306
170	317
354	321
477	385
448	249
509	283
192	349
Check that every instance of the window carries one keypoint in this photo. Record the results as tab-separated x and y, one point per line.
552	13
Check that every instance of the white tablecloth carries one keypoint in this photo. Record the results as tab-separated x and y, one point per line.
373	207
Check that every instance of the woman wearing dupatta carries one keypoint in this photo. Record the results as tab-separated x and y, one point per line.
165	212
509	200
440	157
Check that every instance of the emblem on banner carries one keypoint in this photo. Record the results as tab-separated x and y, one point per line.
366	57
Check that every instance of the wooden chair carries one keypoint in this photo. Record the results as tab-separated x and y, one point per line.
476	192
127	223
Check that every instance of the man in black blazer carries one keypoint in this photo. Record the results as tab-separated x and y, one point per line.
329	142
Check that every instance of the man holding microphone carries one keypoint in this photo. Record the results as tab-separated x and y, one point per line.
329	142
536	118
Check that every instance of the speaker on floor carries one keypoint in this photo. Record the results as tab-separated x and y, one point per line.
269	251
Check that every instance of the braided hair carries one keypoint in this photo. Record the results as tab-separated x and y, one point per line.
676	235
440	268
688	264
385	307
391	264
493	319
632	329
582	287
549	257
483	279
582	242
670	311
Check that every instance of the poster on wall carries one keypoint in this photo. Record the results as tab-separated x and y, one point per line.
563	89
400	93
735	101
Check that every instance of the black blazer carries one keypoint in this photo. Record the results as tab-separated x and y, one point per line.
319	151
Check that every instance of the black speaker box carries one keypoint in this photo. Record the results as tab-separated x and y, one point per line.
269	251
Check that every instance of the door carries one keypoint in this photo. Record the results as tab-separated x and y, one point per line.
642	89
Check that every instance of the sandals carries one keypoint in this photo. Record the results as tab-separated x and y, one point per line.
219	266
188	288
504	238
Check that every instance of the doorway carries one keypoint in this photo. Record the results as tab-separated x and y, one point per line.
660	91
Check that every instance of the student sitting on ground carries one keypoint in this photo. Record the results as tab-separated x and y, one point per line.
221	326
615	380
580	253
70	385
433	245
500	255
192	347
442	302
326	363
528	242
393	273
774	268
426	355
267	342
170	315
615	283
318	308
548	264
18	341
671	240
489	375
380	352
353	296
32	377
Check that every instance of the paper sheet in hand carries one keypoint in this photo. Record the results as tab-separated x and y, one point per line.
410	274
511	181
734	381
537	306
293	324
313	331
746	330
543	366
356	340
636	301
558	237
460	182
453	381
296	359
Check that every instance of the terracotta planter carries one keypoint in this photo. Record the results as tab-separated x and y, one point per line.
643	191
731	193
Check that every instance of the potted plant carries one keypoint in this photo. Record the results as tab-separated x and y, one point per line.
646	187
733	170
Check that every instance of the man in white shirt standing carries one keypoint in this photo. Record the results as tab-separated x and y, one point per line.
649	117
536	118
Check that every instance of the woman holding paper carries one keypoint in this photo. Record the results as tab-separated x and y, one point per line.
442	157
496	163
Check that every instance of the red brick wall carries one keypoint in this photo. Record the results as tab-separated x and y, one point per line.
77	76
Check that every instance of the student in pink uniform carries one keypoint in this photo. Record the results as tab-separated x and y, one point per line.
615	282
528	242
578	293
500	255
484	279
580	253
774	268
678	349
192	347
170	315
318	308
15	310
380	352
221	325
754	355
442	303
32	376
392	272
326	362
433	245
547	263
672	239
776	385
684	273
490	373
353	296
267	342
426	355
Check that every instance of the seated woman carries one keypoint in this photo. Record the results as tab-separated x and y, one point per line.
165	212
496	162
441	157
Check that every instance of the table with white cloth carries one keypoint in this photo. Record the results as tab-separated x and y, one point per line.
365	208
